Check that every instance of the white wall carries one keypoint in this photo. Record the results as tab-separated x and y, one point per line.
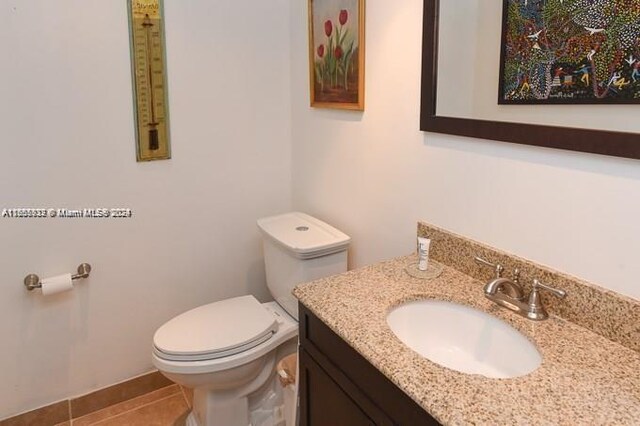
374	175
68	141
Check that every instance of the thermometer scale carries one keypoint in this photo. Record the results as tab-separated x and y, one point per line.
149	79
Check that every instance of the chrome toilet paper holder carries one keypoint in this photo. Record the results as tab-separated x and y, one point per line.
32	281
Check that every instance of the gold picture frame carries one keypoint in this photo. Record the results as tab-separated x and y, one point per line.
336	53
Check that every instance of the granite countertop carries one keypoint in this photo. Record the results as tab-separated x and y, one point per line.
584	378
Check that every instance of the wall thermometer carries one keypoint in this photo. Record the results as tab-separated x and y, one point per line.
148	62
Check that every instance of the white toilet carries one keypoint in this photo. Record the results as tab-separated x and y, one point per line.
227	351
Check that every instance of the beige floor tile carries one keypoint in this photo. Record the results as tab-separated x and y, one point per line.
171	411
127	406
118	393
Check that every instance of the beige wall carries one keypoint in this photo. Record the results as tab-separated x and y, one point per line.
374	175
68	141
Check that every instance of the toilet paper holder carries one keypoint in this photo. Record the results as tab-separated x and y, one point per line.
32	281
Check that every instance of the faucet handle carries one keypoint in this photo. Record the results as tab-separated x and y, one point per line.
556	292
536	309
498	268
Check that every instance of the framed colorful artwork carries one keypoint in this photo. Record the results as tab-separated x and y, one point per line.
336	53
570	52
438	61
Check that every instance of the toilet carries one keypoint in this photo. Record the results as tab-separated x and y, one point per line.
227	351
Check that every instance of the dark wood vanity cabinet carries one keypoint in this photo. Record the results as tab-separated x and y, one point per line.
338	387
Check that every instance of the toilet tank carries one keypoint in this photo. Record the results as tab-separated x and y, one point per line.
300	248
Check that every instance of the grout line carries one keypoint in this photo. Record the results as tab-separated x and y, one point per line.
184	395
69	411
133	409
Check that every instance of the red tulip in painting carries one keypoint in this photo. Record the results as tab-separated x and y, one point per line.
344	15
328	28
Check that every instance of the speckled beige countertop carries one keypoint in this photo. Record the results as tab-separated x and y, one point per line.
584	379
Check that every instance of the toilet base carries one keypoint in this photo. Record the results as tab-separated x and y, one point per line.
280	419
256	403
218	410
266	407
191	420
222	403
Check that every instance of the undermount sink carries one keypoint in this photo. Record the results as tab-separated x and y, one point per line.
463	339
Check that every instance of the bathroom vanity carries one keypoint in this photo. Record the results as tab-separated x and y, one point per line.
339	387
355	371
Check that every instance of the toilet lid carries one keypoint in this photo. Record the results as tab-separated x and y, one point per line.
215	330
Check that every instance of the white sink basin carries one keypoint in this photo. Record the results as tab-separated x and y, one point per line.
463	339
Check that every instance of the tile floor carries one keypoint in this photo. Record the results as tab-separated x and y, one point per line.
168	406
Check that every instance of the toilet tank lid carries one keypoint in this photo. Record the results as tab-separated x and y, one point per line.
303	234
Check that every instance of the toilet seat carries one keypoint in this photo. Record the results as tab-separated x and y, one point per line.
216	330
286	329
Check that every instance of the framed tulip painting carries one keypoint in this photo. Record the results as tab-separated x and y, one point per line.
336	54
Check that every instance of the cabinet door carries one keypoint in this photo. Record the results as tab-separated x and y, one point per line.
340	387
322	401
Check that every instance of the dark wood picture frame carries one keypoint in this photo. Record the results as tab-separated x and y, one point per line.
605	142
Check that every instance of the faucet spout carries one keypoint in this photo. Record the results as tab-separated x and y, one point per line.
506	286
506	293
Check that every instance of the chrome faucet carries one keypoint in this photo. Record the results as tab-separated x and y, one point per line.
509	293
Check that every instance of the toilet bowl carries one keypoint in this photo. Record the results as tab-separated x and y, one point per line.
227	351
224	376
